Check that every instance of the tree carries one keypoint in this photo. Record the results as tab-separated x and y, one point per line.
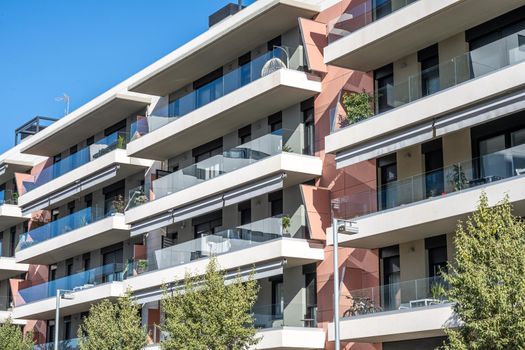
487	280
112	326
12	337
358	106
205	313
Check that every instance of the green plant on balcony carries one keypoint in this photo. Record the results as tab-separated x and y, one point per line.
438	291
141	199
118	204
121	142
15	197
457	178
358	106
286	222
142	266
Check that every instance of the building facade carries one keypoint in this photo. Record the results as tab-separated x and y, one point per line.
246	142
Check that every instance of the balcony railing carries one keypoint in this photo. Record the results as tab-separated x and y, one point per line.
284	315
83	156
435	184
75	282
259	67
355	17
63	225
214	244
230	160
8	197
71	344
407	295
497	55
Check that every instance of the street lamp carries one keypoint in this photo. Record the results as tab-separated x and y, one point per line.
61	294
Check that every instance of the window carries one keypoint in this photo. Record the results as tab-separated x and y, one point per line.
52	272
387	174
307	108
67	328
436	248
55	213
276	203
113	258
384	88
2	244
310	280
13	241
382	8
71	207
391	276
50	331
69	267
245	212
434	177
86	261
207	224
90	141
245	134
277	297
275	121
429	60
114	198
245	68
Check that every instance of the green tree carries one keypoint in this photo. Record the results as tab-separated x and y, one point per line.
12	337
487	280
205	313
358	106
112	326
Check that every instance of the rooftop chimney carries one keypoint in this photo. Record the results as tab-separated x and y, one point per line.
225	12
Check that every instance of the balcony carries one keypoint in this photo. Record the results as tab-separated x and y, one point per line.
70	344
10	213
87	170
366	36
405	115
224	42
88	287
259	88
245	246
394	312
100	113
431	203
83	231
10	268
251	163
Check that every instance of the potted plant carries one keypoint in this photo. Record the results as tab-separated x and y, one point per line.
121	142
285	222
118	204
457	177
358	106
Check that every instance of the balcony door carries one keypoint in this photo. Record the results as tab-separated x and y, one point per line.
434	177
390	291
387	177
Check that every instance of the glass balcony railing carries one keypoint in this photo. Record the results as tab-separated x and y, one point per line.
259	67
284	315
218	243
83	156
230	160
472	173
75	283
62	226
71	344
354	17
497	55
408	295
8	197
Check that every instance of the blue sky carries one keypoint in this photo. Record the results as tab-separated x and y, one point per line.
83	48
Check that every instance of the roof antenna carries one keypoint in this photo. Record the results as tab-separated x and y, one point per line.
65	98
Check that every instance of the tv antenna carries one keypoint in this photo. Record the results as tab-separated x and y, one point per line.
64	98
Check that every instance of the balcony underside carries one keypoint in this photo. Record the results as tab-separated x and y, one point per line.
224	42
82	301
288	338
9	268
86	121
396	325
430	217
99	234
112	167
10	215
412	28
244	106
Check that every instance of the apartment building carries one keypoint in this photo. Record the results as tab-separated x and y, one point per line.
238	145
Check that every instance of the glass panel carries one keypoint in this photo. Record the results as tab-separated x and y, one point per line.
61	226
75	283
480	171
470	65
231	81
83	156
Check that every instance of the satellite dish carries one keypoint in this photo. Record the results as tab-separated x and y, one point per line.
271	66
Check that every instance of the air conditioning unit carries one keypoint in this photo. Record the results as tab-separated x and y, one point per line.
347	227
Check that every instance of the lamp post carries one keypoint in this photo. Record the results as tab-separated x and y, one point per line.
336	282
61	294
